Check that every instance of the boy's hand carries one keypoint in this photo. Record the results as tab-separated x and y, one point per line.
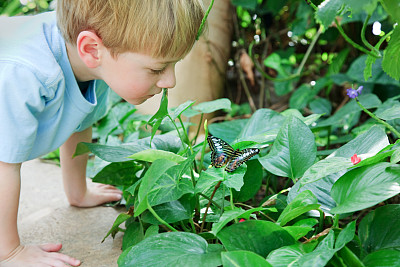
38	256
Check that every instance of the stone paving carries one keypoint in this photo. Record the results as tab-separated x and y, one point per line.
45	216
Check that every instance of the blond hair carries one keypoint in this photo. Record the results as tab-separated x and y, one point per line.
159	28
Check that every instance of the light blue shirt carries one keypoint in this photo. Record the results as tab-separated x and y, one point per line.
41	104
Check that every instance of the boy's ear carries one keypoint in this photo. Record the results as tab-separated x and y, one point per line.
89	46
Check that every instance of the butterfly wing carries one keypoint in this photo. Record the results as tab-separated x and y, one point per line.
240	157
221	151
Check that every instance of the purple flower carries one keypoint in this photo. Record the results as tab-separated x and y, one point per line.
353	93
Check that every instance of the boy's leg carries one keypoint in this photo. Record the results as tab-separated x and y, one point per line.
74	176
11	252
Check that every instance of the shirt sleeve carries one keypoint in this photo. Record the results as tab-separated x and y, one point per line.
101	90
21	99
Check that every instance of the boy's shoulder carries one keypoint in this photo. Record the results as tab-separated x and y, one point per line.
33	42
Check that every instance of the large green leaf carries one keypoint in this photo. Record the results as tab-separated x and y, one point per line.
243	258
379	229
391	56
170	212
162	183
260	237
383	258
171	249
370	142
151	155
262	122
389	110
289	255
327	11
122	152
392	8
365	186
324	168
252	182
293	151
344	116
304	202
118	173
211	106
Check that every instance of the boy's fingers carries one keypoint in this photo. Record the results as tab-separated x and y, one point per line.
51	247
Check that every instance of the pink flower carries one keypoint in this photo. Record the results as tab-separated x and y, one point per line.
241	220
355	160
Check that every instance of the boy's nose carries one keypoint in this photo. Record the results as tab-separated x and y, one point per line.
167	80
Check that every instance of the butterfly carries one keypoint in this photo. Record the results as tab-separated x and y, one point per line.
223	154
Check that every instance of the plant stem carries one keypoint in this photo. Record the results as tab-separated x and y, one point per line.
203	149
308	52
336	221
366	43
208	206
321	221
354	44
159	218
372	115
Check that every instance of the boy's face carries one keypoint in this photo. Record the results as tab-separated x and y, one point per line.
137	77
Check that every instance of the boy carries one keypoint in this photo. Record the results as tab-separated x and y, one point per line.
54	75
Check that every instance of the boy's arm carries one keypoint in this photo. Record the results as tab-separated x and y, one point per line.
74	175
9	198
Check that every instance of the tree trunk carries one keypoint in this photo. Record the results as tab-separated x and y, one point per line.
200	76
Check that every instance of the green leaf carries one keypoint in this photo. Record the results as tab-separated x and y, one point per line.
267	130
346	113
391	56
115	228
289	255
243	258
298	232
260	237
392	8
181	108
383	258
302	96
321	106
324	168
162	183
389	110
346	235
303	203
252	182
171	249
364	187
161	113
370	142
211	106
151	155
361	6
293	151
230	215
321	255
133	235
327	11
121	153
170	212
378	230
118	173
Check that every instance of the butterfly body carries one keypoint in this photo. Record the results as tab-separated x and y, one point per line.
222	154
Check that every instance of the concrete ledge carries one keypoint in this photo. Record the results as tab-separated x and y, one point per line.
45	216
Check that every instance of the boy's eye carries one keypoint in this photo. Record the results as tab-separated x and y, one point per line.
160	71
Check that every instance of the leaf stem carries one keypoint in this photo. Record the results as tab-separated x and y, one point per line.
159	218
354	44
366	43
308	52
372	115
208	206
